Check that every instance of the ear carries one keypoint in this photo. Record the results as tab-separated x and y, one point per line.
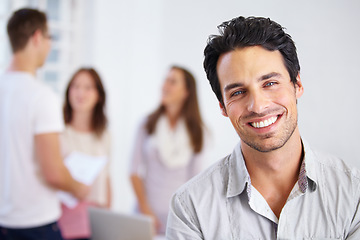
223	109
299	89
36	37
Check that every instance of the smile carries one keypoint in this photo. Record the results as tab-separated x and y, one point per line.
265	123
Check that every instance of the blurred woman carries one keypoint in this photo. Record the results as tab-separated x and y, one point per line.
168	147
85	132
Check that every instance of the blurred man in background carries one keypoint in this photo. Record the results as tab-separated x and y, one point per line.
31	167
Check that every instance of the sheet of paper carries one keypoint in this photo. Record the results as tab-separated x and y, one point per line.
84	168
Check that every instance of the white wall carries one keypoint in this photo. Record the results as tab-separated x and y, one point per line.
134	42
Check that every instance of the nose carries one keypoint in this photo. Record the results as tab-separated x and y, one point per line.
257	102
80	92
164	88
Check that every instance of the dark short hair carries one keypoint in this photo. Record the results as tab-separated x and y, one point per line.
243	32
99	119
22	25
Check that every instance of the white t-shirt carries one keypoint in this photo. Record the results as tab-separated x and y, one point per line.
27	108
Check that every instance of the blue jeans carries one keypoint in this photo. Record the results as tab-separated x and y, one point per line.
46	232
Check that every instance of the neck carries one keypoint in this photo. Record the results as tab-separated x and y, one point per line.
275	173
274	162
81	121
173	114
24	62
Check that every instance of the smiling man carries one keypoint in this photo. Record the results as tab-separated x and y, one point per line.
273	185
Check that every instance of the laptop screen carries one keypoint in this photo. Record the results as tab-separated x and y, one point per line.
109	225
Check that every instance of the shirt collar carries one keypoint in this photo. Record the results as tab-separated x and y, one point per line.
308	163
20	73
239	178
238	175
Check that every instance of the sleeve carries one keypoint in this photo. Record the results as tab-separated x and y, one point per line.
181	224
64	144
137	165
48	116
354	233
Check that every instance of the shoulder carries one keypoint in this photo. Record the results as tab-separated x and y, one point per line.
334	177
326	162
335	165
141	127
106	136
106	133
42	94
192	202
46	92
27	83
68	132
143	122
211	181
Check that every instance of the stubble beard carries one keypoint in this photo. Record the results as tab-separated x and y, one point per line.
280	142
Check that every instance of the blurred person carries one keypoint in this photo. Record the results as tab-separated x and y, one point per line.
274	185
85	132
31	167
169	147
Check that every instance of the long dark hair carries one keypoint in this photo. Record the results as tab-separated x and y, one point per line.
99	120
190	112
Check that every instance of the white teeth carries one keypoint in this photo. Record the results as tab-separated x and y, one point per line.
265	123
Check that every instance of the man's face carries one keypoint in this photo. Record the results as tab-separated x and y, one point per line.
45	46
259	97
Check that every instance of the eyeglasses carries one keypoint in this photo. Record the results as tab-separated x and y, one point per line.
46	35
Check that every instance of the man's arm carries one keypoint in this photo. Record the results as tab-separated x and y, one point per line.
47	150
181	224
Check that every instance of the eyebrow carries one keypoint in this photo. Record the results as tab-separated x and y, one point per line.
262	78
232	85
268	76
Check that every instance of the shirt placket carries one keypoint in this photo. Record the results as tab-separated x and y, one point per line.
298	190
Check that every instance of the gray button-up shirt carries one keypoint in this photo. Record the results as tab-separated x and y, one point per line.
221	203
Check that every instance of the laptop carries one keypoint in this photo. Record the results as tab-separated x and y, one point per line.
109	225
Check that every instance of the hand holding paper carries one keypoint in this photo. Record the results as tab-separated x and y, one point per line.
83	168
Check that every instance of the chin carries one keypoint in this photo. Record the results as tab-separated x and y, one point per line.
265	149
163	101
264	145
